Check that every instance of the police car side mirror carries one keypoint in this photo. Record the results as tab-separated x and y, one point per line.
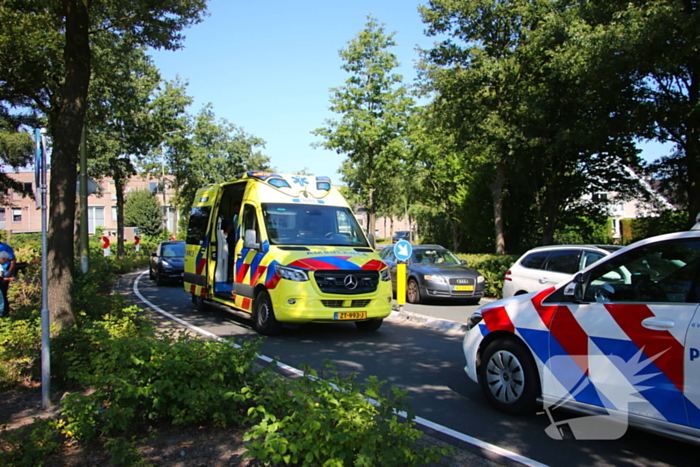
573	291
250	240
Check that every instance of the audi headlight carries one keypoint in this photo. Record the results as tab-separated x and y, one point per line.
292	274
480	279
433	278
384	274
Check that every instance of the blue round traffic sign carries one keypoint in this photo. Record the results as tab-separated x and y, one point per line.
403	250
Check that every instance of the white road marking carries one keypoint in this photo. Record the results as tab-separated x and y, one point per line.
419	420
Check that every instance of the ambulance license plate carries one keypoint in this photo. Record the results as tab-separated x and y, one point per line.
463	288
345	315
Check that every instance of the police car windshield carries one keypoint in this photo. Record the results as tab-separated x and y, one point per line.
311	224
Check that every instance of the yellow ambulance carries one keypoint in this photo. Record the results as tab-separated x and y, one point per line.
285	249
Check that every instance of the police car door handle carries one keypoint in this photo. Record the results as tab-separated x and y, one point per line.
543	280
658	324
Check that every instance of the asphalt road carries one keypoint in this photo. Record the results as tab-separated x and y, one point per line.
427	361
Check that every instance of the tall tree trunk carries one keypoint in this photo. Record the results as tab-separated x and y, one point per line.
65	130
496	186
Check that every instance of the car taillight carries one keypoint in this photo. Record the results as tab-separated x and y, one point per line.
507	276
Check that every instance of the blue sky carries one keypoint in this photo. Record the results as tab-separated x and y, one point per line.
267	66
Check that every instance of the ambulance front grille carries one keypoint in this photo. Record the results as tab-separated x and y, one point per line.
351	303
345	282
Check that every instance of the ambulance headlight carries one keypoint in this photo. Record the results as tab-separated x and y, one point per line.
384	274
292	274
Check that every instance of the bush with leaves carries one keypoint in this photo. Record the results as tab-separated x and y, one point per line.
140	376
311	422
493	268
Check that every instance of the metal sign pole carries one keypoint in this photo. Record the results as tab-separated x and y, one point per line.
40	168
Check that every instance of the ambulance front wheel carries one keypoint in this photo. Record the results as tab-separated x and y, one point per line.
371	325
264	316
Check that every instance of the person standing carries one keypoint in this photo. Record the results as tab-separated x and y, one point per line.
7	267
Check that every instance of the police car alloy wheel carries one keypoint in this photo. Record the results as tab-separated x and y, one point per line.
509	378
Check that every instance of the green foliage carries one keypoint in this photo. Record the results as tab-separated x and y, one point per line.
373	106
30	446
585	230
142	376
20	350
645	227
312	422
493	268
142	209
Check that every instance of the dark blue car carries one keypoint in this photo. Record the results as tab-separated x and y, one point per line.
167	263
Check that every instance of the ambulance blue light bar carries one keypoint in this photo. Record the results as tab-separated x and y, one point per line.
323	183
279	183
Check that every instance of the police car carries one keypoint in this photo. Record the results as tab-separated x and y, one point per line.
619	342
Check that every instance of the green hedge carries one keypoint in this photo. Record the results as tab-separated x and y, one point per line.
493	268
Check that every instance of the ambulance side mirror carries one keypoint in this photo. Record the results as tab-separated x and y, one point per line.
250	241
370	237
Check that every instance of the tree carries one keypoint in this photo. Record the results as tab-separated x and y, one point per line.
479	85
655	46
45	66
527	107
142	209
16	150
119	123
218	150
374	108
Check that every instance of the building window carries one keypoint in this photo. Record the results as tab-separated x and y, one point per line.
96	218
114	213
28	187
2	218
16	215
155	187
113	190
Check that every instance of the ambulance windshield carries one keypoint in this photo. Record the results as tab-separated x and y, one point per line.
311	224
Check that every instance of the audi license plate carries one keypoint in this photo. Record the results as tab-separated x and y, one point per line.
345	315
463	288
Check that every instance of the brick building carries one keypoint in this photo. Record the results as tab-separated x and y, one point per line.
21	213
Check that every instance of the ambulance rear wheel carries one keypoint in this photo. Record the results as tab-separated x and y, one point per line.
368	326
264	316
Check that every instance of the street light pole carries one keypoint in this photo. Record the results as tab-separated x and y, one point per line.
162	167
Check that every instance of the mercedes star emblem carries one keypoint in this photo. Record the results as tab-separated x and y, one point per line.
350	282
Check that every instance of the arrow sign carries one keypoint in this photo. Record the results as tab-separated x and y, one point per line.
105	245
403	250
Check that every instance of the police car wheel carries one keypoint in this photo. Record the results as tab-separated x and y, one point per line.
508	377
264	318
371	325
412	291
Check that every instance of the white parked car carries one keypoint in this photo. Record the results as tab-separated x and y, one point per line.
621	341
546	266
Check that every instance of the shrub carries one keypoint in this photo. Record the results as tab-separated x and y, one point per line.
493	268
312	422
140	376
